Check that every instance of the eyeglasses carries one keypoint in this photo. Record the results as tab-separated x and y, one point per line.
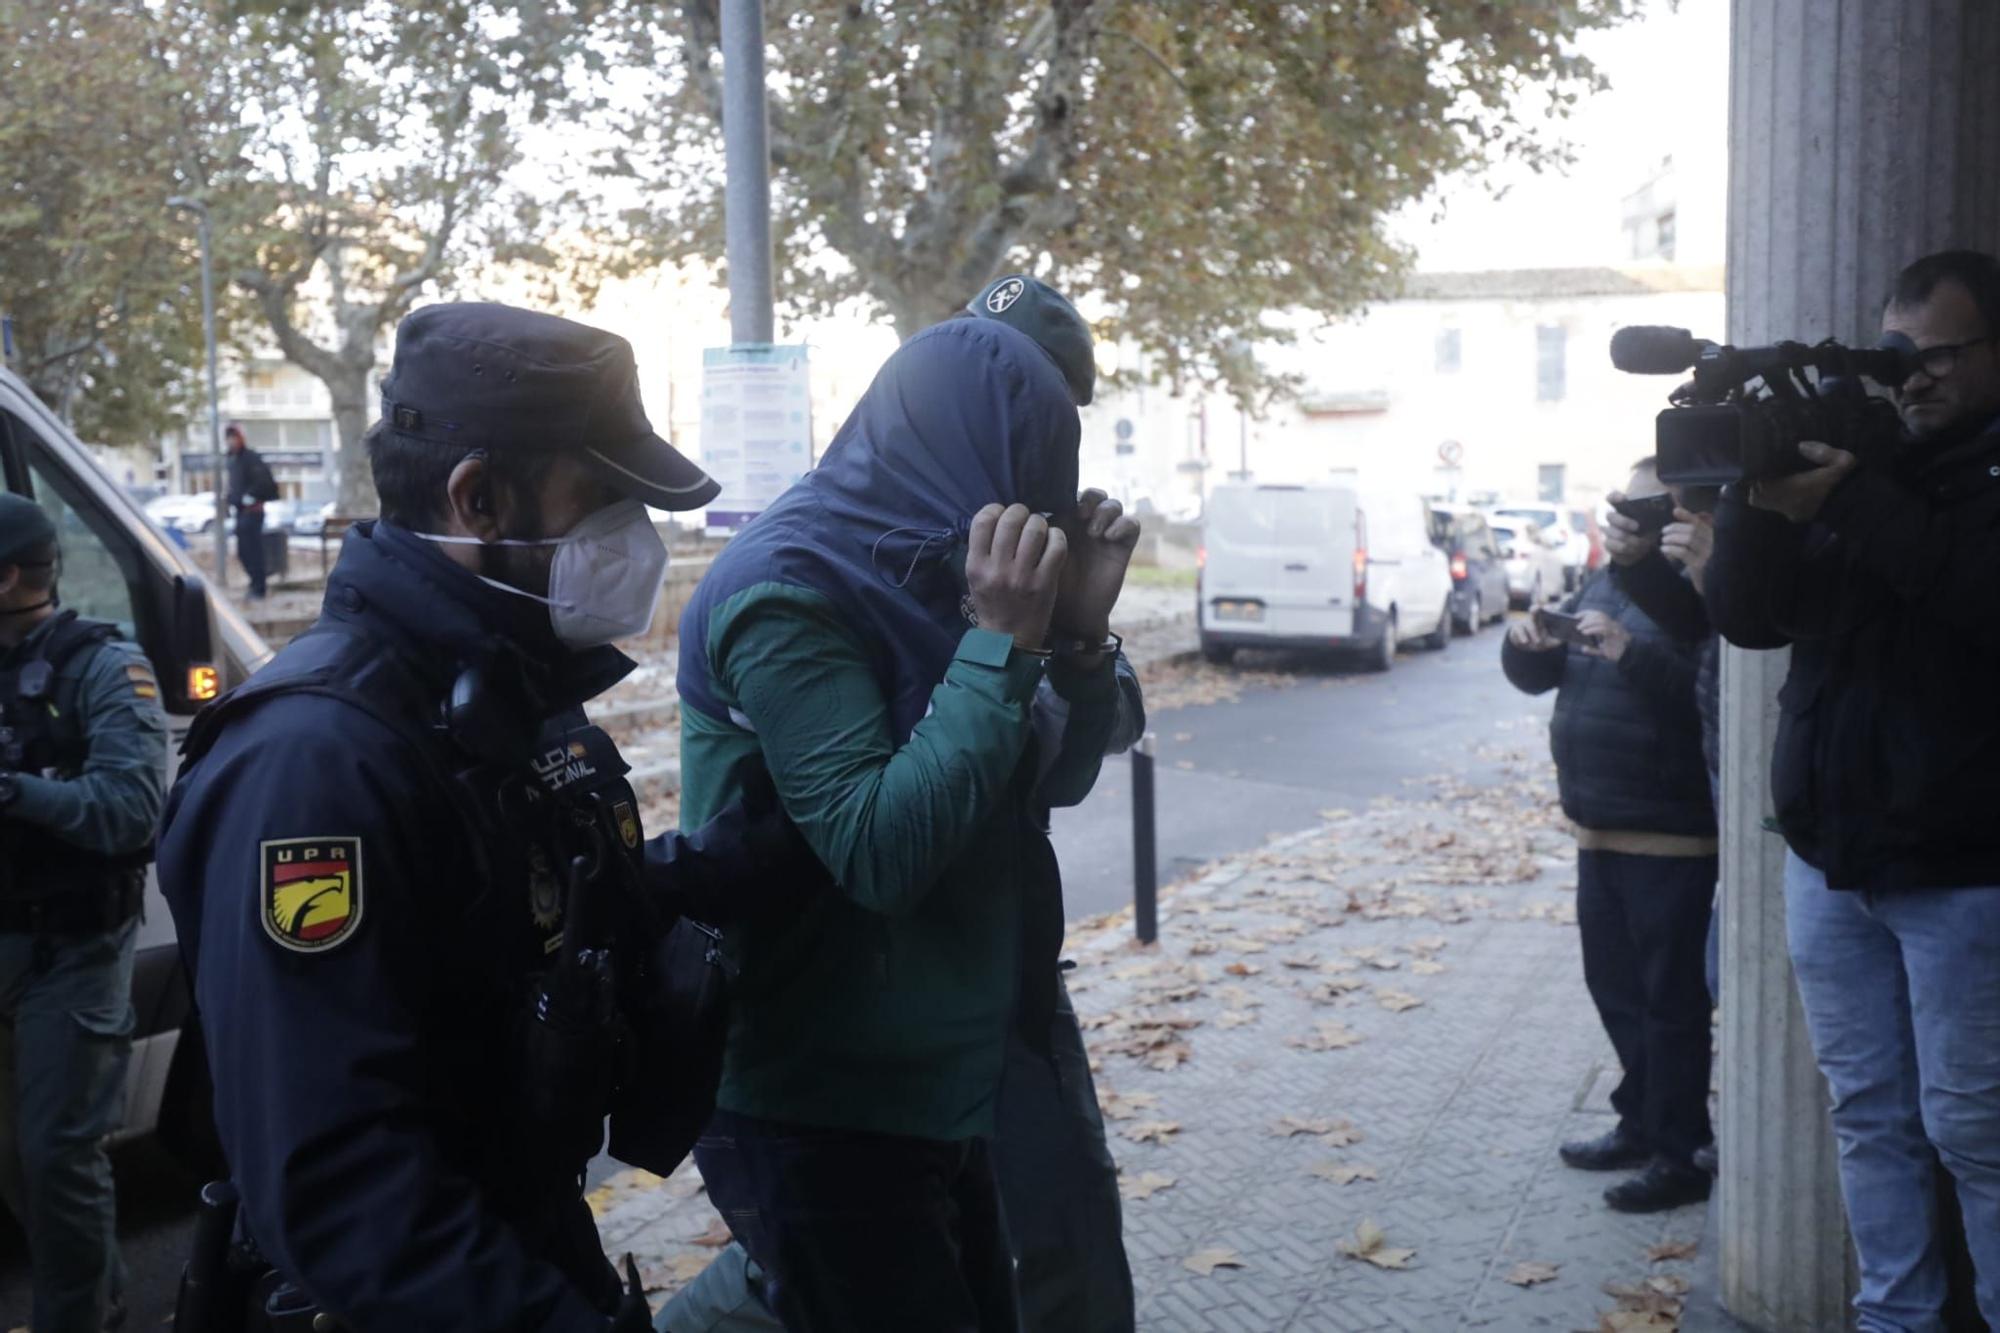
1939	361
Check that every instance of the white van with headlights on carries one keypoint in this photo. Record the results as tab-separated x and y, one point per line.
1322	566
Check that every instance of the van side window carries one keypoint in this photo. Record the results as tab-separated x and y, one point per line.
97	574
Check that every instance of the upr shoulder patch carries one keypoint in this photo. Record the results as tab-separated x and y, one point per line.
310	898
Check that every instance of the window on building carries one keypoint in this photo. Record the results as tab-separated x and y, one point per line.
1549	478
1663	235
1551	362
1447	351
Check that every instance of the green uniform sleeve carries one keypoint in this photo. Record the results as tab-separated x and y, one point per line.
113	806
885	819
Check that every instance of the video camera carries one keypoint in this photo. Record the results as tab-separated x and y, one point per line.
1742	416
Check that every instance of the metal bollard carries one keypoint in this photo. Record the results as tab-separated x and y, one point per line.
1145	845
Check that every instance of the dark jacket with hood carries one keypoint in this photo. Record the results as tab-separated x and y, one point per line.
830	647
1626	735
1889	720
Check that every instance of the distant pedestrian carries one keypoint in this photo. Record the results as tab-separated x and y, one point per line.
251	486
1627	742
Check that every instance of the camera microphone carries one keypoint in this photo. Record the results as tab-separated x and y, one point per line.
1654	349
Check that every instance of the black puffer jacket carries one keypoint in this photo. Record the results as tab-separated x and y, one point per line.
1664	593
1888	744
1626	735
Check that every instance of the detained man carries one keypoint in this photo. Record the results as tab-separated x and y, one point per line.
877	642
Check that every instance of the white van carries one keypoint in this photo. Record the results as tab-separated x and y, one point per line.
1325	566
118	565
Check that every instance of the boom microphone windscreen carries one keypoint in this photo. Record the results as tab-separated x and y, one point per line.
1654	349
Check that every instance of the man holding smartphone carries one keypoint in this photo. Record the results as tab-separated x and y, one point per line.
1627	745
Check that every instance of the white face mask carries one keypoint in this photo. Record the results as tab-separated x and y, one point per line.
605	579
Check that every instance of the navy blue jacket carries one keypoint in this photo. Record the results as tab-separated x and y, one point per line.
365	1048
1626	734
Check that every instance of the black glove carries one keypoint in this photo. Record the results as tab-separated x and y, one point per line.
634	1315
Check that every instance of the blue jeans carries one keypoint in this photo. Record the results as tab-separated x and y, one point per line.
1902	997
65	1039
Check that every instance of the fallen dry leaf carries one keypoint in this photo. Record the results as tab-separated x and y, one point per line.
1672	1249
1203	947
1157	1131
1370	1244
1532	1274
715	1237
1396	1001
1327	1036
1205	1262
1425	967
1238	998
1249	945
1243	969
1234	1018
1145	1186
1302	961
1168	1057
1341	1173
1125	1105
1342	1135
1291	1125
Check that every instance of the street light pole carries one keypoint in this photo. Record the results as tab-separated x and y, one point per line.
200	210
747	158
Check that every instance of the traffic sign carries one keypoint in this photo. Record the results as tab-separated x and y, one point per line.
1451	453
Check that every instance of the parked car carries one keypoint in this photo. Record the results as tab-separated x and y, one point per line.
191	514
120	567
1479	590
1557	526
1583	521
1323	566
311	520
1534	563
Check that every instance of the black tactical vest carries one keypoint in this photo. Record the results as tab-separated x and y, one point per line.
41	733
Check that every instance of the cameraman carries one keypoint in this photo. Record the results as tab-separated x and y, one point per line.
1628	761
1882	575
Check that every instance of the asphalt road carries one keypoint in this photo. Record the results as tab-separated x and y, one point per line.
1229	775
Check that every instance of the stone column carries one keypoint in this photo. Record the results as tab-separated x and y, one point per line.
1863	133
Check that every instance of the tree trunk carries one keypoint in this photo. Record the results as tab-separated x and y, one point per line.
915	314
355	484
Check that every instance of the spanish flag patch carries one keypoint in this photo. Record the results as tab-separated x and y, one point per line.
311	891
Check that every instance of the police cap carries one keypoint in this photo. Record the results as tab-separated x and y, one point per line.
481	375
25	528
1044	314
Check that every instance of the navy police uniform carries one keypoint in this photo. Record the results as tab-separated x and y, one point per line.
431	946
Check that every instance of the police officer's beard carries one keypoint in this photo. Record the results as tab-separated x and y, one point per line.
523	567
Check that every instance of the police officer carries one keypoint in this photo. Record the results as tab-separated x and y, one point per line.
409	877
83	757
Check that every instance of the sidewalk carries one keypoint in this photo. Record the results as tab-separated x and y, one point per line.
1393	1000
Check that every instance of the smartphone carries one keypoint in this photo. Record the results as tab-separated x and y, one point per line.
1651	514
1564	629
